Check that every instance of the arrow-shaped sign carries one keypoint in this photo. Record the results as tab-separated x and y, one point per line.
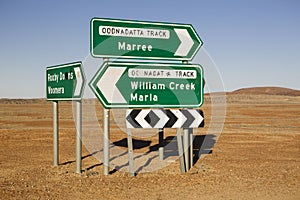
125	85
154	118
139	39
107	84
65	82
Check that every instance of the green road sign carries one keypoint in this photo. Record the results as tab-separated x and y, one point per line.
65	82
144	40
148	85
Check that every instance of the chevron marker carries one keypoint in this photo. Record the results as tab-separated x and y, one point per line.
157	118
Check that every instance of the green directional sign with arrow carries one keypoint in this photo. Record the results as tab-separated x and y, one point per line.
65	82
148	85
143	40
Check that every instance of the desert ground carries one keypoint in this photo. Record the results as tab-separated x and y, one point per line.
257	155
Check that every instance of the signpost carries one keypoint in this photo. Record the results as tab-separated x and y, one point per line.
112	38
132	85
64	83
146	85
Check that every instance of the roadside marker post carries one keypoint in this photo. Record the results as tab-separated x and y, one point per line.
66	83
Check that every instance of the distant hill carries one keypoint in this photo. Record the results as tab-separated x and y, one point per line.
243	91
267	90
22	101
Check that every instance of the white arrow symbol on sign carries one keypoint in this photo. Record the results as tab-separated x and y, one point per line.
79	80
109	79
186	42
141	119
163	118
181	118
197	116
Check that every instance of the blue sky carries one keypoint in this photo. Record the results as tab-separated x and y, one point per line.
253	43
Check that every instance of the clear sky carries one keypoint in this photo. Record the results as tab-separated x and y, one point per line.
253	42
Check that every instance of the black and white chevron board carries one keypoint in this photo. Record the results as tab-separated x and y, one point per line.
164	118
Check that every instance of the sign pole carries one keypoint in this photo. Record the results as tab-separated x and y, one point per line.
130	152
186	148
106	115
191	147
186	141
160	143
180	150
106	140
78	137
55	133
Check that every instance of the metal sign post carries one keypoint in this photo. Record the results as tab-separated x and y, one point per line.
186	149
55	133
130	152
161	143
106	137
78	136
180	151
106	133
186	142
191	138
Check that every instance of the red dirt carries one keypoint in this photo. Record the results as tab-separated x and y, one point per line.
256	157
